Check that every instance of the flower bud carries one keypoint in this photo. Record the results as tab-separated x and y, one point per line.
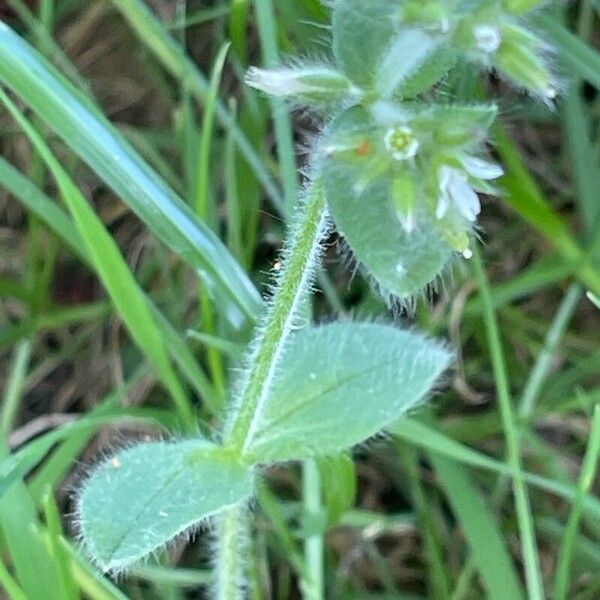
519	58
456	236
518	7
310	85
430	13
404	196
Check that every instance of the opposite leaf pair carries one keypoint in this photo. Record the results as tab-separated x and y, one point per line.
336	386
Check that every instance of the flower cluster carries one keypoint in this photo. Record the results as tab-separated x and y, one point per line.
428	157
422	162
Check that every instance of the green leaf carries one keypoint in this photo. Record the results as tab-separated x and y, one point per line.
340	384
408	54
95	140
362	31
362	205
141	498
436	65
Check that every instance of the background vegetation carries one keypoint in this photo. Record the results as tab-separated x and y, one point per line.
427	513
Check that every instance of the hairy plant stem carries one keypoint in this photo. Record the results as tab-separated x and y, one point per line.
300	257
299	260
233	537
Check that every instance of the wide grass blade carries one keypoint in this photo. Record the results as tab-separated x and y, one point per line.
488	549
96	141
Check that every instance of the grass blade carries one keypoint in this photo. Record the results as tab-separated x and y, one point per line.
60	223
152	33
283	127
112	270
578	58
530	554
488	549
586	479
94	139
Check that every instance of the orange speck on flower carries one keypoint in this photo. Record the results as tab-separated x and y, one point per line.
363	149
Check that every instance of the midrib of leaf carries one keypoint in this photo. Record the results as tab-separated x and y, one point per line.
133	524
338	383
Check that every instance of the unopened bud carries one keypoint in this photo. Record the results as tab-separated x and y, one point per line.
456	236
518	7
519	57
405	199
309	85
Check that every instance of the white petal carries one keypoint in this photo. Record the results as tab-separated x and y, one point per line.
442	205
444	176
464	197
481	169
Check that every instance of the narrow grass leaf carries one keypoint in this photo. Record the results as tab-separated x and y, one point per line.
525	197
426	437
112	270
10	586
60	223
143	497
14	467
156	38
328	375
94	139
578	58
586	479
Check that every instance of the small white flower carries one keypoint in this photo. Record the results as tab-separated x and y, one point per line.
456	190
401	142
487	38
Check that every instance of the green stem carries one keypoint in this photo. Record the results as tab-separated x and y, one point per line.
232	537
267	28
586	479
300	257
511	434
14	390
313	580
543	364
